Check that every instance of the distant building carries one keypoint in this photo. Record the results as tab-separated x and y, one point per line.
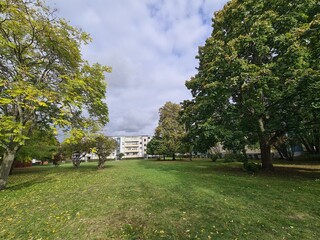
131	146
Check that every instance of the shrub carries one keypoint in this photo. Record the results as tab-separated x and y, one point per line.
234	157
251	167
214	157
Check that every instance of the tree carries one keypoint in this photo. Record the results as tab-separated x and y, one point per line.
251	73
155	147
43	78
81	144
77	145
170	131
42	145
120	155
103	147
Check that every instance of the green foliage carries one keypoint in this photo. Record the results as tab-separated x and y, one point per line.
258	76
234	157
99	144
103	146
251	167
155	147
43	78
169	133
42	145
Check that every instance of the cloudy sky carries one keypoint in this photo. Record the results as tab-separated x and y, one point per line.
151	46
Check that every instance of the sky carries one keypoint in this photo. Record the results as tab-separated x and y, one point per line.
151	46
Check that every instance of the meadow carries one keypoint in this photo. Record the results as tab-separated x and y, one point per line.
148	199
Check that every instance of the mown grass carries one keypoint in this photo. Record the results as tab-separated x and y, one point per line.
142	199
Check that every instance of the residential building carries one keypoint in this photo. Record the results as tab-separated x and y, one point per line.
129	146
132	146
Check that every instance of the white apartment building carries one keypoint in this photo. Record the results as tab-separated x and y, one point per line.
129	146
132	146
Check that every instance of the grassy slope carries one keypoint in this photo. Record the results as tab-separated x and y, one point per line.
159	200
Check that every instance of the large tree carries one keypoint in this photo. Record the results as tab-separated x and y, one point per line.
257	73
43	78
170	131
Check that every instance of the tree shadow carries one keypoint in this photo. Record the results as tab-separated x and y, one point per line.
186	166
61	168
285	170
29	183
27	177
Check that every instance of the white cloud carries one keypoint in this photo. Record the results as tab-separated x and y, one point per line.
151	46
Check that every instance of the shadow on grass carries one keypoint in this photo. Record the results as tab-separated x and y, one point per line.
284	170
62	168
30	183
27	177
185	166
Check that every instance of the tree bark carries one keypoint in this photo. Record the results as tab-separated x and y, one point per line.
316	134
6	165
101	163
265	148
306	144
173	156
266	158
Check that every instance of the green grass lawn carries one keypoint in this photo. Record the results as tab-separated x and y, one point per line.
141	199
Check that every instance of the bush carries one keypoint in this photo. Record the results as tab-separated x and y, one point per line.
214	157
251	167
234	157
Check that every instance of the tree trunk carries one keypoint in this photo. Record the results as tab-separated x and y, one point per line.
6	165
173	156
316	134
244	153
265	147
101	164
306	144
266	158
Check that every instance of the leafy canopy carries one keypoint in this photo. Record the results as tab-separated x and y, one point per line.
169	132
257	72
43	78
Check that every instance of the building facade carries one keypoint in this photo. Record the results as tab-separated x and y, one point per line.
131	146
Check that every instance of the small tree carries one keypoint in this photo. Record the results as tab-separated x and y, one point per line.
77	144
121	155
103	147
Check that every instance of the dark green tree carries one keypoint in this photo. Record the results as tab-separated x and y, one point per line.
155	147
252	71
42	145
